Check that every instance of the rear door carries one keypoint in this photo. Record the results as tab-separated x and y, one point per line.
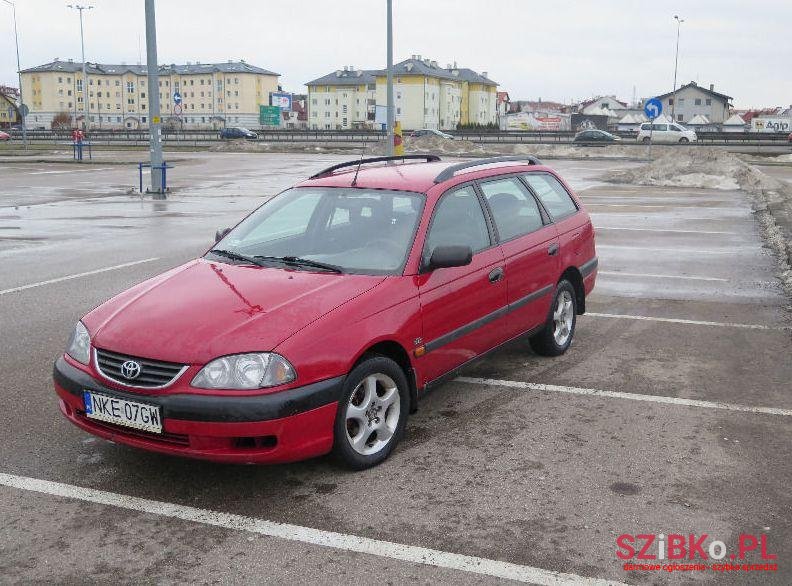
530	248
575	232
459	304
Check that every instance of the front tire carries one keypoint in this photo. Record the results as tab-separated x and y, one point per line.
372	413
683	140
556	336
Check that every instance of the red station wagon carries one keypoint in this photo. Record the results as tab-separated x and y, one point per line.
317	323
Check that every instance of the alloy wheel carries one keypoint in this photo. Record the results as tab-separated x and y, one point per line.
563	316
372	414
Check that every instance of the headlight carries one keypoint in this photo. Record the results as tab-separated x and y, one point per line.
79	346
245	371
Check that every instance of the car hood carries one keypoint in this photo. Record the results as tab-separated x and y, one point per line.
202	310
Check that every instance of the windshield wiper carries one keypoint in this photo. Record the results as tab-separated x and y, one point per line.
306	262
236	256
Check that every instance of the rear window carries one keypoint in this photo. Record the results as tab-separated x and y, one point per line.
552	194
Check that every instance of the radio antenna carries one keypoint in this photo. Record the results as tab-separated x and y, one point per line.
354	179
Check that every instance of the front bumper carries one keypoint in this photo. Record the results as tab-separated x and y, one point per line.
285	426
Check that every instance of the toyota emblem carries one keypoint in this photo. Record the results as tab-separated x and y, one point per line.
130	369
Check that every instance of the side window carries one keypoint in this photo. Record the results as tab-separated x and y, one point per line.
458	220
513	207
553	195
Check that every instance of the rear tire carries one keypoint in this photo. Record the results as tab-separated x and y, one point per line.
645	140
372	413
556	336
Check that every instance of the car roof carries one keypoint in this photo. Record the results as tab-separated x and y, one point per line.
418	177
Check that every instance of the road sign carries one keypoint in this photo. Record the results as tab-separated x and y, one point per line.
269	115
177	109
25	110
156	120
653	108
176	98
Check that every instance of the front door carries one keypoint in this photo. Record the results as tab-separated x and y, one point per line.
460	304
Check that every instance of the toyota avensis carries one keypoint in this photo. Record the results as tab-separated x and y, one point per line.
319	321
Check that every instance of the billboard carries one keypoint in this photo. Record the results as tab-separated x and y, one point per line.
771	125
281	100
269	115
589	122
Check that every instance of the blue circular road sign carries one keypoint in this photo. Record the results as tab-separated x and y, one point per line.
177	98
653	108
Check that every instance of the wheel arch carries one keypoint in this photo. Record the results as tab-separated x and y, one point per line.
572	274
396	352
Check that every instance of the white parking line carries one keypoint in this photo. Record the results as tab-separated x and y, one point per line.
694	322
525	386
653	275
339	541
76	276
59	171
663	230
740	250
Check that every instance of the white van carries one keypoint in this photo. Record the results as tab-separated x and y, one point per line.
665	132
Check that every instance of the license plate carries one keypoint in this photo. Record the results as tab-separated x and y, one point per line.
123	412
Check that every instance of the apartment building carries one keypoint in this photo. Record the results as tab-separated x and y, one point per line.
212	95
426	95
8	106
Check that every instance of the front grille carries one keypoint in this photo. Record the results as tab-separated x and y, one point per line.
153	373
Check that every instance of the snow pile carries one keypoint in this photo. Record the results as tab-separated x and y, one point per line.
703	167
465	148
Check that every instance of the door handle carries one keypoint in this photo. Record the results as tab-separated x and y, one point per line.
552	250
496	275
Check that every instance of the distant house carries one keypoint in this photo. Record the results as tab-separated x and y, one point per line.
537	106
596	106
8	106
693	100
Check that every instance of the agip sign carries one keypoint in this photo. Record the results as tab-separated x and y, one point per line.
771	125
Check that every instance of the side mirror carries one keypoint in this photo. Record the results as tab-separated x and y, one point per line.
220	234
450	256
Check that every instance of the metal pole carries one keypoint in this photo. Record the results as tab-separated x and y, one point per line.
155	130
391	111
676	63
80	8
21	109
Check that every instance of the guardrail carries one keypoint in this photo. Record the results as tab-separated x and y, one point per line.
199	137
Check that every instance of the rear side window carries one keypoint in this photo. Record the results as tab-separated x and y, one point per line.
458	221
660	127
552	194
513	207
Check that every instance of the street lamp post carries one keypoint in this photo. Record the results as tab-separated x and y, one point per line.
391	112
19	74
676	64
80	9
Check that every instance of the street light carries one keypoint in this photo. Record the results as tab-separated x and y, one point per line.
80	8
19	73
389	84
676	63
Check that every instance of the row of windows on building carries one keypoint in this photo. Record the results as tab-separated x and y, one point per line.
131	105
143	81
696	101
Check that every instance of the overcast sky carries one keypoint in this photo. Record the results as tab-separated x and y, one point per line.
562	50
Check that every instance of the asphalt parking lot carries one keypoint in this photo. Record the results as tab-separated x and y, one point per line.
670	414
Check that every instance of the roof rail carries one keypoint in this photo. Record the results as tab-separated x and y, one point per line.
355	163
449	172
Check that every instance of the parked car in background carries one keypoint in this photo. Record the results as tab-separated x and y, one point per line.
430	132
319	321
4	136
665	133
595	137
237	132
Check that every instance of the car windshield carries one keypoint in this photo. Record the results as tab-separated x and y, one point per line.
363	231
